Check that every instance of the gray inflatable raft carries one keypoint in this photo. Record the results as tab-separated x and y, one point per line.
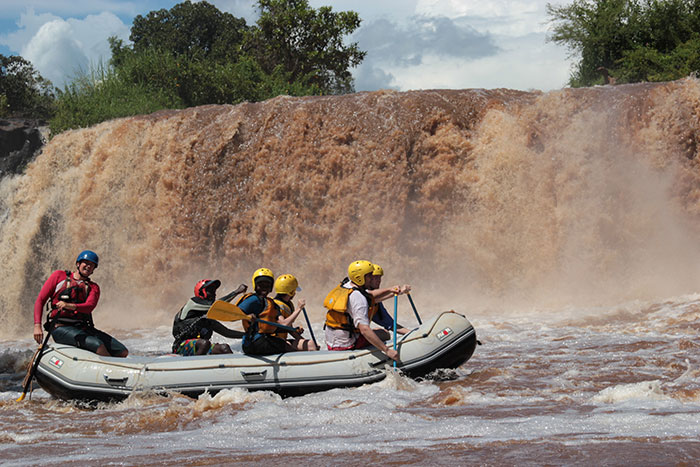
446	341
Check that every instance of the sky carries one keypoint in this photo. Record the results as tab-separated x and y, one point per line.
410	44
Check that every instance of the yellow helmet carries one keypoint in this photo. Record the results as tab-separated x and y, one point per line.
378	271
286	284
357	271
263	272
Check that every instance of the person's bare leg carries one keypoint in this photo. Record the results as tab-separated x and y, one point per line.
221	349
201	347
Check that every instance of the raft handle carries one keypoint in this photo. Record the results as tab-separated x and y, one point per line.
254	375
116	381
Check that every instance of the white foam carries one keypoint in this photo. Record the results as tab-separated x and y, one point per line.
643	391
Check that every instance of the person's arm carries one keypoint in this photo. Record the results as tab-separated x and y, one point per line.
358	309
383	319
382	294
87	306
223	330
90	302
289	320
44	295
373	339
239	290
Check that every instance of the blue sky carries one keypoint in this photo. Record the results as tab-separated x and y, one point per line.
410	44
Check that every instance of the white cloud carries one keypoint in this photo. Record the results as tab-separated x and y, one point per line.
94	30
67	8
370	77
59	48
409	42
394	48
54	53
490	9
239	8
28	25
369	10
500	43
525	63
507	17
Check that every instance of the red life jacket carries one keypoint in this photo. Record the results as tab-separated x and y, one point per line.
70	290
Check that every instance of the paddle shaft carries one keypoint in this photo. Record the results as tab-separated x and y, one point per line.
33	367
414	309
396	314
308	323
281	326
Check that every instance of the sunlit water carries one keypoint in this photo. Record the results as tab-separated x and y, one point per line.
582	387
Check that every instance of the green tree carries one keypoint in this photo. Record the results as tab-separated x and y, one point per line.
190	30
632	40
194	54
23	91
648	64
307	43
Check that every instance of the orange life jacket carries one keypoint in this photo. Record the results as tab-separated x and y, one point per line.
336	302
270	313
286	309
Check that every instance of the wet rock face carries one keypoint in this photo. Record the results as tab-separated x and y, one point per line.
20	141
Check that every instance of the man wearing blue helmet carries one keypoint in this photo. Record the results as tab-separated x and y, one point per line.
72	296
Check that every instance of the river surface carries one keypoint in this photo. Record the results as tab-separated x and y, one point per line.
614	386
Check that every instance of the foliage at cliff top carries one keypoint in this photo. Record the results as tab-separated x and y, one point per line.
629	40
194	54
24	92
306	43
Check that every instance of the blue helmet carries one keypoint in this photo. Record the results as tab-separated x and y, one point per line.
88	255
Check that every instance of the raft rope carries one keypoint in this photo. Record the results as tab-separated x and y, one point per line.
269	362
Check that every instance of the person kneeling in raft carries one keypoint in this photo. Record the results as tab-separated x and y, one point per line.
192	329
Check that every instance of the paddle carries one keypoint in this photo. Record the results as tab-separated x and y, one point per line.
308	323
396	314
33	366
225	311
414	308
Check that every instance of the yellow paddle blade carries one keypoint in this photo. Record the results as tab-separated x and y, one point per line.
225	311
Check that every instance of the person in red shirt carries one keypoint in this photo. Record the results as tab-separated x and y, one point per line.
72	296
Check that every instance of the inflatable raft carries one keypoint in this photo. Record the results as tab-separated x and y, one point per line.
445	341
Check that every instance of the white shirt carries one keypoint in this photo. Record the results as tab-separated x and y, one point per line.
358	308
